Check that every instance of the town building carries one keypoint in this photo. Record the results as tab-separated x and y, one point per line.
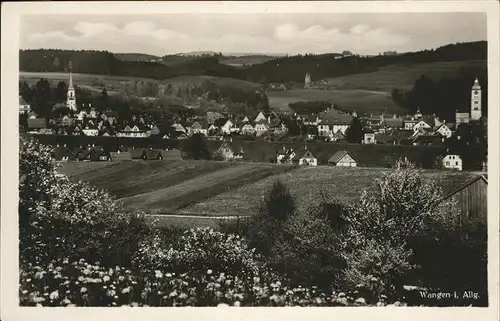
307	81
369	137
452	162
24	107
307	158
285	156
475	113
342	158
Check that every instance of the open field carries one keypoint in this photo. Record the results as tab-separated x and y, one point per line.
227	189
346	184
402	76
245	60
165	186
363	101
119	84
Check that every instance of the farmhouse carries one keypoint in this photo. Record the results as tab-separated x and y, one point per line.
285	156
261	127
369	137
120	156
173	154
260	116
452	162
308	158
199	128
471	199
100	156
342	158
24	107
231	150
446	130
62	153
247	129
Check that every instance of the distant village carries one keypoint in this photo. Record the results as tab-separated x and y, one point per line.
330	125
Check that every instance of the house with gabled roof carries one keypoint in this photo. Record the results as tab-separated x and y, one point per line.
62	153
199	127
285	156
247	129
84	155
423	124
137	153
24	107
261	127
260	116
445	129
307	158
100	156
342	158
120	155
231	150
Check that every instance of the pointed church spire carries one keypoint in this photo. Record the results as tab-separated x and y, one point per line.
476	84
70	68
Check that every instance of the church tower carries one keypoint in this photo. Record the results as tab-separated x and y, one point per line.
307	80
71	98
475	101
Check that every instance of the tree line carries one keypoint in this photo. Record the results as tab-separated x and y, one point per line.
284	69
444	97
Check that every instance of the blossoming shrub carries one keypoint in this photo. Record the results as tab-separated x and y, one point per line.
200	250
60	217
80	283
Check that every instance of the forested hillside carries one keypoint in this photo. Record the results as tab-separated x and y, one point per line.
283	69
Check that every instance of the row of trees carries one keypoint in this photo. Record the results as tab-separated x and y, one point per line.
285	69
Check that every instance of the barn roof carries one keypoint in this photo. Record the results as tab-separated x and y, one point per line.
136	153
450	192
338	156
306	151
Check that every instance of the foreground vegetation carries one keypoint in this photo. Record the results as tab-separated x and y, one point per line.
78	248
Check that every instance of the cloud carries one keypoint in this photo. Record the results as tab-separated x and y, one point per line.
149	37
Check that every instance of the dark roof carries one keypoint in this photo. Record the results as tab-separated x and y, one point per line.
22	101
391	122
136	153
337	156
307	153
37	123
60	152
469	182
220	122
336	117
120	156
171	154
153	154
97	154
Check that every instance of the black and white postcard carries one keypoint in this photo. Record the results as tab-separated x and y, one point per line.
195	155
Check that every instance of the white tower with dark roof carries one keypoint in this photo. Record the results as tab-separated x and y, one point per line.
71	98
475	101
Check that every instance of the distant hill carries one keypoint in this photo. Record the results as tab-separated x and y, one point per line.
283	69
136	57
294	68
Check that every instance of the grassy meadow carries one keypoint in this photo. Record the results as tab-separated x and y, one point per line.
401	76
227	189
168	186
363	101
345	184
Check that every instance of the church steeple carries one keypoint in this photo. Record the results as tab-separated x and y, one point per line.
71	97
70	67
475	101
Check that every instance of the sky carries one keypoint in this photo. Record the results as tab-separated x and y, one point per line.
361	33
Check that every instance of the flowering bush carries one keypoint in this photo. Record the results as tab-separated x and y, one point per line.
60	217
80	283
199	250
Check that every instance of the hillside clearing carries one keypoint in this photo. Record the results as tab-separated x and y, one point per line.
402	76
345	184
363	101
